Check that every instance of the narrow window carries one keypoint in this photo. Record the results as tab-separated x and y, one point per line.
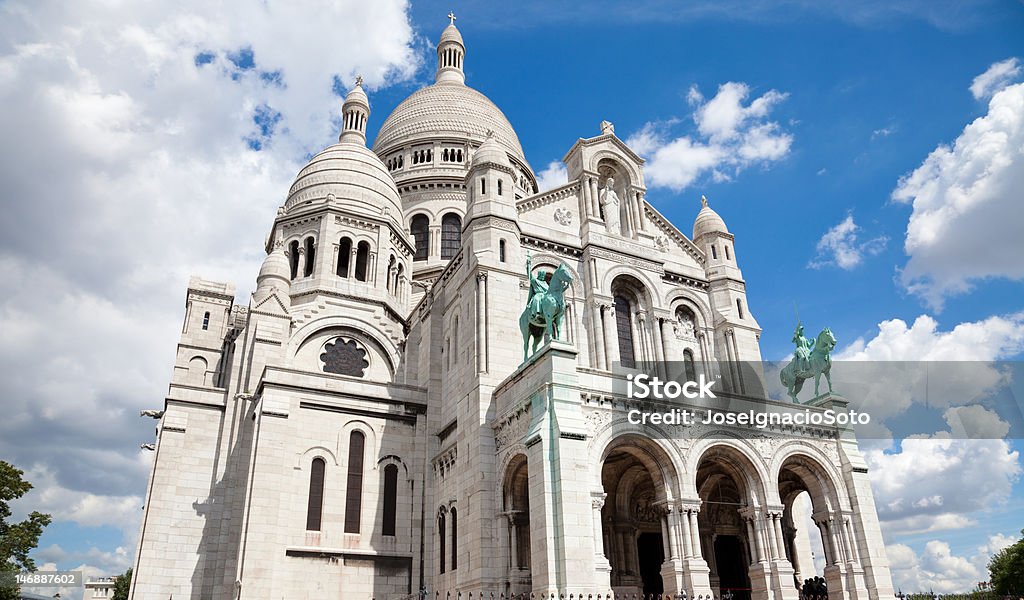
714	253
391	271
440	540
344	256
499	187
459	155
420	228
739	307
293	258
501	250
726	252
310	255
688	364
483	185
624	329
315	504
390	499
451	235
455	539
354	497
362	258
398	277
206	320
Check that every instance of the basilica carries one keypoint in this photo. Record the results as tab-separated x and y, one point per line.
368	425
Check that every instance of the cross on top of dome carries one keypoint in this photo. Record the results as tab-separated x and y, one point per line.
451	17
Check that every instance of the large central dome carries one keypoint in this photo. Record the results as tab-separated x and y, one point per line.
447	109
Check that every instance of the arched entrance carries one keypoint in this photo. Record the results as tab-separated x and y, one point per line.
729	488
802	476
516	508
633	515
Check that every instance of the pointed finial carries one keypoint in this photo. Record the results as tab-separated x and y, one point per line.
451	17
703	201
359	80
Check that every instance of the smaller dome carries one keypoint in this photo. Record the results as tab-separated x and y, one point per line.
451	34
274	274
357	96
491	152
707	221
353	175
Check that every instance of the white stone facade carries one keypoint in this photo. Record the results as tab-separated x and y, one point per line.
364	426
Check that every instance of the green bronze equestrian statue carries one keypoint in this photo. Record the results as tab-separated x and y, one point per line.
811	359
545	306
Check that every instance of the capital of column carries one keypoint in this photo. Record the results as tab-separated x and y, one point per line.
750	513
481	276
597	499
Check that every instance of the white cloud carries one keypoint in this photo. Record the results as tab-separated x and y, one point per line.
883	132
552	176
920	486
890	372
148	142
731	136
995	78
839	246
967	209
937	568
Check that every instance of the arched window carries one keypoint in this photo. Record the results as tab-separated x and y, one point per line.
624	329
315	503
501	250
458	155
354	494
451	235
391	274
293	258
455	539
726	252
310	255
714	253
362	259
420	228
398	277
689	365
344	256
206	320
499	187
483	185
440	540
739	308
390	499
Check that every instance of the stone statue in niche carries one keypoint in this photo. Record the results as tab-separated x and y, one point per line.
685	327
344	357
610	204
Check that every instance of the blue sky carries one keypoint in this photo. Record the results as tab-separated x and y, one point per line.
167	136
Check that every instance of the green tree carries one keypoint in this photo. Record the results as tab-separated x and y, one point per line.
122	584
1006	569
16	539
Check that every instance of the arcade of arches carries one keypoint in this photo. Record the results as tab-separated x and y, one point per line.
722	526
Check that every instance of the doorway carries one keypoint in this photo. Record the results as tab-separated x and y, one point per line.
651	553
732	567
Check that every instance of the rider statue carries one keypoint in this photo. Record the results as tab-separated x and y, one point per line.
804	346
538	283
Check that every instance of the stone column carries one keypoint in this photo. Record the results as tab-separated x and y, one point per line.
585	204
597	335
659	347
755	556
611	345
602	567
595	198
481	322
640	209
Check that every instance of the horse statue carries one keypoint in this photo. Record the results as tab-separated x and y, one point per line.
811	359
545	307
